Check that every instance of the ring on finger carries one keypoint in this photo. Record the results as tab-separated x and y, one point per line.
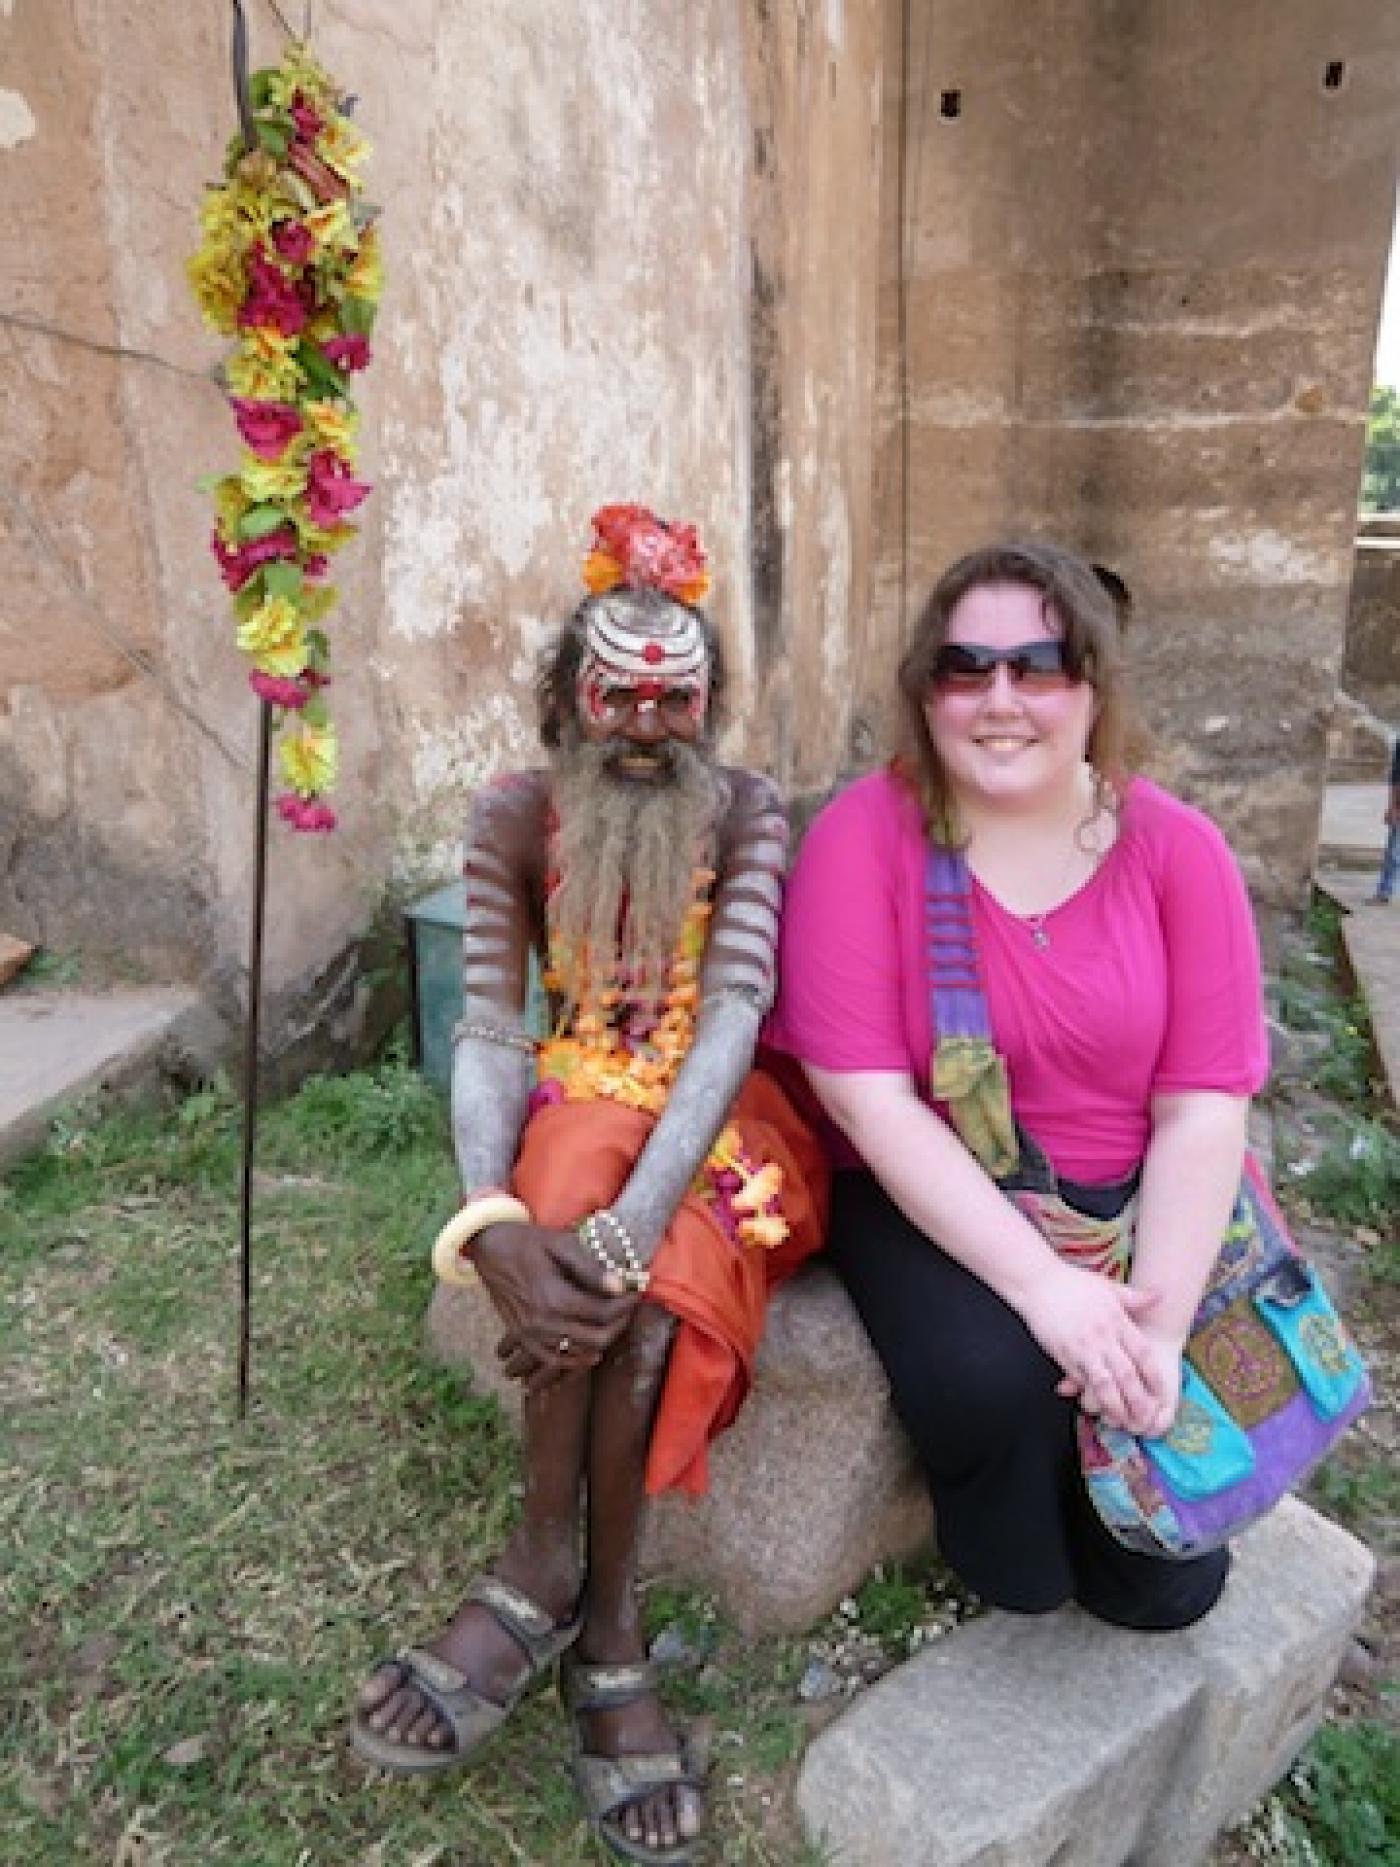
563	1345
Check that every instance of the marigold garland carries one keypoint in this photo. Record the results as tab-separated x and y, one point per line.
632	546
289	266
596	1053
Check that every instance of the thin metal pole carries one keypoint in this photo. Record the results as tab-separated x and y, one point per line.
250	1062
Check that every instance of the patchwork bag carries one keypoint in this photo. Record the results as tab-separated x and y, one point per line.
1270	1377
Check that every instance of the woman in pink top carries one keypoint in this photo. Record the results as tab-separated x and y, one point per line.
1121	974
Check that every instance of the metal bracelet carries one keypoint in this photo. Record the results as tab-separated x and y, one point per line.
493	1034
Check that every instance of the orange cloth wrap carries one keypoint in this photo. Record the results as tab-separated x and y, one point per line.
577	1156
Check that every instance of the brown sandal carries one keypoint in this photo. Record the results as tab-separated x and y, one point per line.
608	1785
440	1684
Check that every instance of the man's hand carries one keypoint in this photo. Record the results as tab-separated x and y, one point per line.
561	1310
1113	1365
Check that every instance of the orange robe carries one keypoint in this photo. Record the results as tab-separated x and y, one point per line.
577	1156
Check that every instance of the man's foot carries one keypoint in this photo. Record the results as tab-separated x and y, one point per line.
644	1800
432	1706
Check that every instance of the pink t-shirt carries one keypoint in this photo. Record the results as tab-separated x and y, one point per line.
1149	983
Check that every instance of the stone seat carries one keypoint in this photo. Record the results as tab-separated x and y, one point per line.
1056	1741
809	1489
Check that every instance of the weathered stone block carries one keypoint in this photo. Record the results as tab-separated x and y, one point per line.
813	1484
1023	1742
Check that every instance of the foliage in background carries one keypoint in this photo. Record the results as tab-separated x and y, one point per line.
1380	480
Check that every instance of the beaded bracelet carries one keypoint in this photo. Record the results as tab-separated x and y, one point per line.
631	1270
494	1034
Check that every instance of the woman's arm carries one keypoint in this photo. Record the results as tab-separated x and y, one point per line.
1190	1179
1085	1322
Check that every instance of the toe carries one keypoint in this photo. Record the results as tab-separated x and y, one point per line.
422	1729
379	1685
394	1714
689	1813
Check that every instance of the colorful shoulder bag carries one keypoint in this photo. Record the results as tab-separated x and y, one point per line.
1270	1377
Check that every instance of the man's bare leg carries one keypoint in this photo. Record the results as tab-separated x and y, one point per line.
540	1558
626	1389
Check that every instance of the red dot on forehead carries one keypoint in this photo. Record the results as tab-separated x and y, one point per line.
651	690
652	653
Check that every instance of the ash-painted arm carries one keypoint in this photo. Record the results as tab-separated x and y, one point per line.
493	1069
737	985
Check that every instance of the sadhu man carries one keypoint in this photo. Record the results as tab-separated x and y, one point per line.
632	1191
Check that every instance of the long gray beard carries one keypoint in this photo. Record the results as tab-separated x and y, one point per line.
634	842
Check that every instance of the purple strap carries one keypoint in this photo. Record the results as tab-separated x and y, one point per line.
958	1004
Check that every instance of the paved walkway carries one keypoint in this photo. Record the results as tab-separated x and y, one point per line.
1349	857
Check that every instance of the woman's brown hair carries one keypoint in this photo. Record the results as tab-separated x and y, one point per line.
1087	623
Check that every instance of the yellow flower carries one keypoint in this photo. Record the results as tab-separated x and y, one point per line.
275	637
332	424
365	279
326	540
274	480
264	368
310	757
331	227
342	148
231	503
318	600
759	1189
769	1232
217	281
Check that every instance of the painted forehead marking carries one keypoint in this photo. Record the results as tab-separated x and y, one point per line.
668	645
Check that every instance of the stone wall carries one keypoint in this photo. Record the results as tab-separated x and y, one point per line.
1371	668
600	239
1139	272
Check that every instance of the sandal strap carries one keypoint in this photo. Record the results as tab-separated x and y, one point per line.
600	1687
530	1626
457	1703
609	1784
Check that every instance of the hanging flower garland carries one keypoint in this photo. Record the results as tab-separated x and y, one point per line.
289	266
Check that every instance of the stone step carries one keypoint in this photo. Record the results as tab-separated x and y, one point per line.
1059	1742
58	1046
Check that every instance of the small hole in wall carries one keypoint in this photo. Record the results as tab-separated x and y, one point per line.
950	106
1334	77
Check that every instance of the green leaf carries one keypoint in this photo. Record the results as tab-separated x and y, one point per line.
283	579
260	89
273	138
357	316
315	712
261	520
318	369
317	642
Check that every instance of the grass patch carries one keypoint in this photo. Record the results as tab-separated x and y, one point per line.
191	1603
1345	1796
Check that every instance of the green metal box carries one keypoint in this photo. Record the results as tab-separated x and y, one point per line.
434	927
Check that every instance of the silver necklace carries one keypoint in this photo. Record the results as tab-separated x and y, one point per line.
1035	926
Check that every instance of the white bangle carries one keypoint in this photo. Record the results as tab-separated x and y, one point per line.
487	1209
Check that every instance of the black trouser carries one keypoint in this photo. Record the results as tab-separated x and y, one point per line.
976	1394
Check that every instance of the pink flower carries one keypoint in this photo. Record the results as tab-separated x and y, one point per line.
278	690
237	566
332	489
308	121
293	241
305	813
273	299
266	426
544	1095
348	353
316	566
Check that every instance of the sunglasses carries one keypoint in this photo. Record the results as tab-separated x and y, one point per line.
969	668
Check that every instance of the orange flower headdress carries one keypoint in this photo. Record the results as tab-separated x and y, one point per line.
632	546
